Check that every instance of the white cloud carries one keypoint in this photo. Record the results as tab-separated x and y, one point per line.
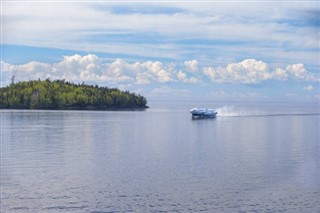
91	68
31	70
298	72
182	76
142	78
78	68
308	88
252	71
247	71
192	65
280	74
151	71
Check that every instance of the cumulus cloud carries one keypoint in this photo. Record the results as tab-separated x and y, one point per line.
192	65
31	70
151	71
183	77
78	68
158	69
142	78
92	68
252	71
280	74
297	71
247	71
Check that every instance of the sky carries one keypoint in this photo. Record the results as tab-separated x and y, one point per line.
169	50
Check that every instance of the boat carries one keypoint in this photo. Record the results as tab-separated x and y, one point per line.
203	113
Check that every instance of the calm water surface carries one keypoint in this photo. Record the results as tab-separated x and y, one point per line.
254	157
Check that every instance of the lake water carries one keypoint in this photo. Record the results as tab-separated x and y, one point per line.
254	157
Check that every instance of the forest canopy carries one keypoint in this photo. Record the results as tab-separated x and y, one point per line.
60	94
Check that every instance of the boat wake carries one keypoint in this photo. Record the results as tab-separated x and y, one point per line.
233	111
230	111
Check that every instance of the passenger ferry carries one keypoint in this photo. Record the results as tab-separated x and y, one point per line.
203	113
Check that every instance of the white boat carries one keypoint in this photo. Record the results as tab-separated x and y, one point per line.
203	113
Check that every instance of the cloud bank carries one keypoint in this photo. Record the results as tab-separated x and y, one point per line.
91	68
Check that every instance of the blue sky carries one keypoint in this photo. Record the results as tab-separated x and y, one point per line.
246	50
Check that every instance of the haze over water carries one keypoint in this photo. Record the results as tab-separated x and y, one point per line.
254	157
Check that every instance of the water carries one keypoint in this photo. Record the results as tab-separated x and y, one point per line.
254	157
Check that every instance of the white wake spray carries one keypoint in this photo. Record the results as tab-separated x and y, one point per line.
232	110
228	111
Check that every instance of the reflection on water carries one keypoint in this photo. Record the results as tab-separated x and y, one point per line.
158	160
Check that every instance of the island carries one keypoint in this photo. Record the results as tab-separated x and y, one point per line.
64	95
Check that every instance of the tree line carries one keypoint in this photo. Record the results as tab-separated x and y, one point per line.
60	94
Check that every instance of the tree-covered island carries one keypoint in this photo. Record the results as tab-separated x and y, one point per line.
63	95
